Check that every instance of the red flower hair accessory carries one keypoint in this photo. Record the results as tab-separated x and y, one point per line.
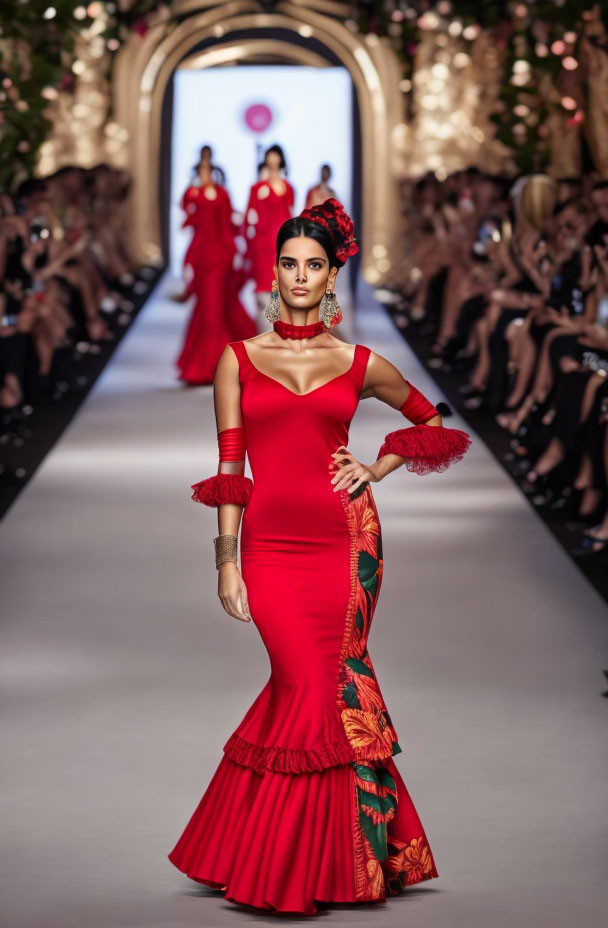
332	216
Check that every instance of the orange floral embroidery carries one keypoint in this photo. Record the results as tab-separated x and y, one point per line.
369	695
366	526
367	722
375	878
408	863
368	734
384	865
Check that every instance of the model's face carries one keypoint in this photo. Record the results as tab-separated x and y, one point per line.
325	175
304	273
273	161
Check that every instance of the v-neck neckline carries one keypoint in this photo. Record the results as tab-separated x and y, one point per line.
272	190
309	392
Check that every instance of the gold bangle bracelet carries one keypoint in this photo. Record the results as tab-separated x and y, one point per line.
225	549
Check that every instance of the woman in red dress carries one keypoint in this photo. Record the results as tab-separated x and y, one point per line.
307	805
317	195
218	316
270	204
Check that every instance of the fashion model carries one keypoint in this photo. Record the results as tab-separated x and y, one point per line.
218	316
307	805
317	195
270	204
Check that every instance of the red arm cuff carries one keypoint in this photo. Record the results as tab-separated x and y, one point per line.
416	407
223	488
426	448
231	444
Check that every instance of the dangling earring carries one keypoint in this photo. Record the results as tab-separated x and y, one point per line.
273	307
330	311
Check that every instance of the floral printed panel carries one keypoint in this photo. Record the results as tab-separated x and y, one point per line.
366	720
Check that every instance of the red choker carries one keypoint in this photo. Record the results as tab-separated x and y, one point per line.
289	330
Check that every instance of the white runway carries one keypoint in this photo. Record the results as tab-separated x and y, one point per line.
122	676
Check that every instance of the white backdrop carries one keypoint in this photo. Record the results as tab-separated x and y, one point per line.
311	119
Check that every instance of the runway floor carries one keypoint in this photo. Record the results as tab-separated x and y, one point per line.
122	676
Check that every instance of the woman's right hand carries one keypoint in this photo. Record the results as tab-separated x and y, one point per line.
230	588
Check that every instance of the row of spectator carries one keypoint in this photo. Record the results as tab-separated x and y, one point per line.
67	284
512	279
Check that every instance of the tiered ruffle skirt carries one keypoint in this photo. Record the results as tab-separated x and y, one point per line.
285	841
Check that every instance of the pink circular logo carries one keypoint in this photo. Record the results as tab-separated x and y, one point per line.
258	117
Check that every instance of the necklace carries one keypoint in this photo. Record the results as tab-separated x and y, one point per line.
289	330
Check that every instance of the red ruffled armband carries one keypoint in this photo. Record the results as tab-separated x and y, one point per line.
223	488
426	448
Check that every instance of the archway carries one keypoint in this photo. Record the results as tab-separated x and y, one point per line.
231	31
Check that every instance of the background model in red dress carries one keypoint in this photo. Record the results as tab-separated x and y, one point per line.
307	803
218	316
266	212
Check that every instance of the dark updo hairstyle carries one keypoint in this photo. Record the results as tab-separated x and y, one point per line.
328	224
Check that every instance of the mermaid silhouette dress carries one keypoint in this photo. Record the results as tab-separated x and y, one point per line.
218	316
266	212
307	804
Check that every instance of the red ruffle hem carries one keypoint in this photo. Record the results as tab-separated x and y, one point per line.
282	841
426	448
223	488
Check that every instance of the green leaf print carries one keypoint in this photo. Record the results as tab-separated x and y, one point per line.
359	621
358	666
366	773
386	780
371	585
381	804
349	695
367	566
375	834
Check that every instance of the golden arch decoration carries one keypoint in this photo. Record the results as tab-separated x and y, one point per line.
145	67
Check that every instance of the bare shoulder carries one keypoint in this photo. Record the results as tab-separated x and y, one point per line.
380	369
228	361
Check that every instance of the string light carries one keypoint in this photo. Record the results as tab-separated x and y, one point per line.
569	63
577	118
428	20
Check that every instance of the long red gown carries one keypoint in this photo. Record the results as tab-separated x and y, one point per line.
218	316
307	804
266	213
